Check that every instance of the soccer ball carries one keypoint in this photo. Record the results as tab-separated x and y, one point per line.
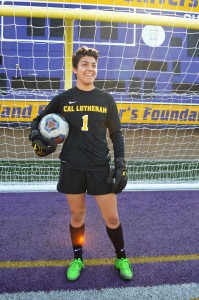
54	127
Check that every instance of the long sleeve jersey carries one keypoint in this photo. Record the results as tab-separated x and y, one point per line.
89	114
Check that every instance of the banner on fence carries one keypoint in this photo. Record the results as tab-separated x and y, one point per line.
131	114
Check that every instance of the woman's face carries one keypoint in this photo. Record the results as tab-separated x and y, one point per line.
86	72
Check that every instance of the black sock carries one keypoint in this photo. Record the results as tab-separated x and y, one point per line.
77	239
116	237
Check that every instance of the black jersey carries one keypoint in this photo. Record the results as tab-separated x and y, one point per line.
89	114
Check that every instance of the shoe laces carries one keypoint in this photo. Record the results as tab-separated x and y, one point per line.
76	263
125	264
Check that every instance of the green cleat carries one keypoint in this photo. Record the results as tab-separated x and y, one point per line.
124	267
74	270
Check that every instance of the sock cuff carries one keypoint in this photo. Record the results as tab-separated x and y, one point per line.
114	230
77	228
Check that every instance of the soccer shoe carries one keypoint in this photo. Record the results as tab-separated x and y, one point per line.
75	268
124	267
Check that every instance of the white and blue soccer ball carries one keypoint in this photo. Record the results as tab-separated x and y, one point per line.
54	127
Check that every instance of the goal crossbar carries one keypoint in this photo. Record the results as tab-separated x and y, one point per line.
97	15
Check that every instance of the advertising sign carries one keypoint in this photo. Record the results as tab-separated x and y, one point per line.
131	114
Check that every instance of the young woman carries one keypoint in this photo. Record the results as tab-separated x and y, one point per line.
85	160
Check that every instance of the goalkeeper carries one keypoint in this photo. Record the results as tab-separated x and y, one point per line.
85	159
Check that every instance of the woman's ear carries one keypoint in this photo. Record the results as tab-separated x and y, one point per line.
74	70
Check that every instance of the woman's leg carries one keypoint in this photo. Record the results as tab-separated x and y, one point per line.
77	210
108	207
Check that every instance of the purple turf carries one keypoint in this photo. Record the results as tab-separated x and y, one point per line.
35	226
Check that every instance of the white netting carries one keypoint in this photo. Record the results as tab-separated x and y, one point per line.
152	71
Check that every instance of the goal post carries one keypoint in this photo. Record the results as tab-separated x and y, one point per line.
68	30
148	61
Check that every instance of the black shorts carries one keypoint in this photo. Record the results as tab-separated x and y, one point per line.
78	181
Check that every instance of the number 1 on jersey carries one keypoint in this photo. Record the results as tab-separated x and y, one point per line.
85	123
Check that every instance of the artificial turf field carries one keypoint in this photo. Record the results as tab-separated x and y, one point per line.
161	238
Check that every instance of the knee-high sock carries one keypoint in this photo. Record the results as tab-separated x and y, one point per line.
116	236
77	239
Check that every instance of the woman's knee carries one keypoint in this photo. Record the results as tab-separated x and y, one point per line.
77	208
112	222
78	216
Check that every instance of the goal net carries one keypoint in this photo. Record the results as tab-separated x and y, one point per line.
150	67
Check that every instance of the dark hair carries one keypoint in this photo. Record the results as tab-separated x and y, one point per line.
84	51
